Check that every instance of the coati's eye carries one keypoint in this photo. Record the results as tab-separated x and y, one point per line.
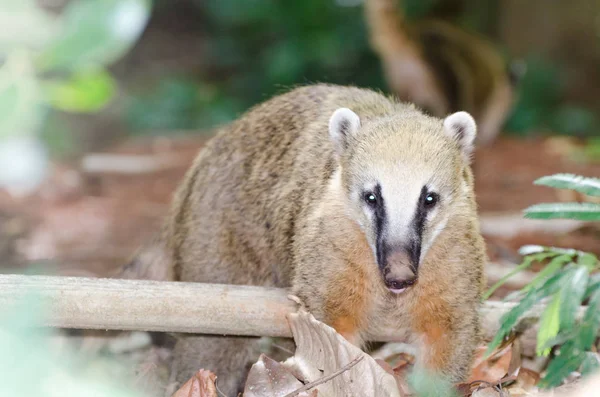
431	200
370	198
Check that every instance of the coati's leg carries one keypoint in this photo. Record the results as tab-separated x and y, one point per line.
447	337
230	358
232	259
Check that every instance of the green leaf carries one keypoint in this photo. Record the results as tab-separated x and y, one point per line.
573	287
578	211
585	185
588	330
590	363
549	325
588	260
593	285
526	264
569	359
534	249
87	91
510	319
555	264
560	339
96	33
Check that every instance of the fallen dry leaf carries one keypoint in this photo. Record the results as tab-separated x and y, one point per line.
321	351
492	369
268	378
202	384
488	392
400	377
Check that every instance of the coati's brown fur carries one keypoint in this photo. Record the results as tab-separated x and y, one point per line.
267	202
441	67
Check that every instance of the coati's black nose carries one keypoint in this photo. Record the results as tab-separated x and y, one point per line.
397	286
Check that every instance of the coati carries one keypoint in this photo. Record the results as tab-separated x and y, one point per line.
361	204
442	68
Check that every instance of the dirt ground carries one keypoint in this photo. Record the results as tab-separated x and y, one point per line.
84	223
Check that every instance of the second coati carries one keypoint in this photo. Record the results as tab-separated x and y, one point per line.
362	205
442	68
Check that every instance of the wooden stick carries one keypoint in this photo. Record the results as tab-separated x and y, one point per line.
88	303
114	304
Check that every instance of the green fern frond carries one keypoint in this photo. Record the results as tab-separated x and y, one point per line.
577	211
585	185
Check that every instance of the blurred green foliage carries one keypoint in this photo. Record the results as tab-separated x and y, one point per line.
31	365
256	49
540	105
63	64
56	62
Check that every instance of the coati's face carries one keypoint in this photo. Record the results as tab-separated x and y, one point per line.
403	180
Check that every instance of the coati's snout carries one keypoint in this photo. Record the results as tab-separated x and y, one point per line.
399	266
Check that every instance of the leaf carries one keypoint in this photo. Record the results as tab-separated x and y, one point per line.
87	91
569	360
591	322
572	290
490	369
320	351
555	264
510	319
593	285
549	325
560	339
533	249
585	185
578	211
96	33
588	260
526	264
591	363
202	384
268	377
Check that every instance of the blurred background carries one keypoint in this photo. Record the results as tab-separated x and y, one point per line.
104	104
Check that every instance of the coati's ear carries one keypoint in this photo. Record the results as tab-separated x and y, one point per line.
461	127
342	125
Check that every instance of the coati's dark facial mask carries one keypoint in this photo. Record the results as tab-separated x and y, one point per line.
402	175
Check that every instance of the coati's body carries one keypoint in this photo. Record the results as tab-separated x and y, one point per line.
270	201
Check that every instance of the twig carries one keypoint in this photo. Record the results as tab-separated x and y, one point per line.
327	378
